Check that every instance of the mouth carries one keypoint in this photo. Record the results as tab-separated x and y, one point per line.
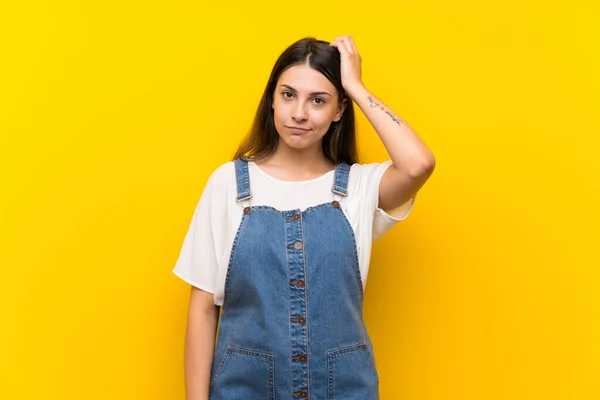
297	129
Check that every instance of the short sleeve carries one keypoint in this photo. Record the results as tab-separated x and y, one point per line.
384	221
197	262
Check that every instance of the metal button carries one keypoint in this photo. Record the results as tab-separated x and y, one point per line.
300	283
302	394
247	210
301	320
335	203
298	245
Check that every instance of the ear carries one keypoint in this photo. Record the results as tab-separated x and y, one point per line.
340	111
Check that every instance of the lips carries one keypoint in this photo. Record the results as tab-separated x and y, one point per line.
296	129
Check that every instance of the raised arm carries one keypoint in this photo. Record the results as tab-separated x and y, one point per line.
412	162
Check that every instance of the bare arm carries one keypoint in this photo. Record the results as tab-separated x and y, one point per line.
203	315
412	162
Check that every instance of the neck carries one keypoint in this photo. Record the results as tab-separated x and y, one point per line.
291	164
309	158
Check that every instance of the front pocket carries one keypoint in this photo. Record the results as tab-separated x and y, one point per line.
243	374
351	374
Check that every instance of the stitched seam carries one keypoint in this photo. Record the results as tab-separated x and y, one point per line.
268	357
287	260
331	355
335	177
242	180
341	190
248	352
372	362
231	256
329	377
272	378
347	349
218	372
354	245
306	326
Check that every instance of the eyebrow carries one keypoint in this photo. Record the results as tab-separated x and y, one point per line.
312	94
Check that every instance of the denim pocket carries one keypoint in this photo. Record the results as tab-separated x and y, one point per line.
351	374
243	374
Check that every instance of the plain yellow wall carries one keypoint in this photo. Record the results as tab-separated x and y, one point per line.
114	113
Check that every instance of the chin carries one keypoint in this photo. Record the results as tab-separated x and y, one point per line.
294	144
299	142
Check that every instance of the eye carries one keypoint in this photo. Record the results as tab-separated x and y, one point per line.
320	100
286	93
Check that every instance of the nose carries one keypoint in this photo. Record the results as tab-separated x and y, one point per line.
299	113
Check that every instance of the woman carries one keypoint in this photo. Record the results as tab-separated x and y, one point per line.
281	237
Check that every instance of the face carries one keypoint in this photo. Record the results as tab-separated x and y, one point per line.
304	99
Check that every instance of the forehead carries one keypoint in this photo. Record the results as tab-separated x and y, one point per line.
303	78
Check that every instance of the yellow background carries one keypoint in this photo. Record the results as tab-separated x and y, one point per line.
114	113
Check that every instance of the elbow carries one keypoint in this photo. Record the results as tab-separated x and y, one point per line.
424	166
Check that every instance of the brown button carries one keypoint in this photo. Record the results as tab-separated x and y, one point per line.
335	203
302	394
300	283
301	320
247	210
298	245
302	358
296	216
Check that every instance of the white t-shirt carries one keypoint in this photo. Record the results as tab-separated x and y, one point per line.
204	256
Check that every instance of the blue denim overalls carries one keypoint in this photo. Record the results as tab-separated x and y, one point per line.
291	325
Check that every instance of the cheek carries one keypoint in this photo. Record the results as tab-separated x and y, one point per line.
278	112
281	109
324	117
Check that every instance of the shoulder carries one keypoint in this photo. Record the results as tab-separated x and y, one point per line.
222	176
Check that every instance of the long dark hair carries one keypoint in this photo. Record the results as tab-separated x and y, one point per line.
339	143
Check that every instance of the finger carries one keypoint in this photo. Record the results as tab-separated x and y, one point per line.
348	44
340	46
344	43
352	44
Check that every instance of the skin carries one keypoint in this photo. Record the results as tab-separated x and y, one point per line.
300	156
412	162
303	98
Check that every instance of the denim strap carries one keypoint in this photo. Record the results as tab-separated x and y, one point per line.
340	183
243	180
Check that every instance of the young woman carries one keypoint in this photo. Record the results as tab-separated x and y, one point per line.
280	241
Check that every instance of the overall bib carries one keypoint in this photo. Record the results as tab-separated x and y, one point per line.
291	325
